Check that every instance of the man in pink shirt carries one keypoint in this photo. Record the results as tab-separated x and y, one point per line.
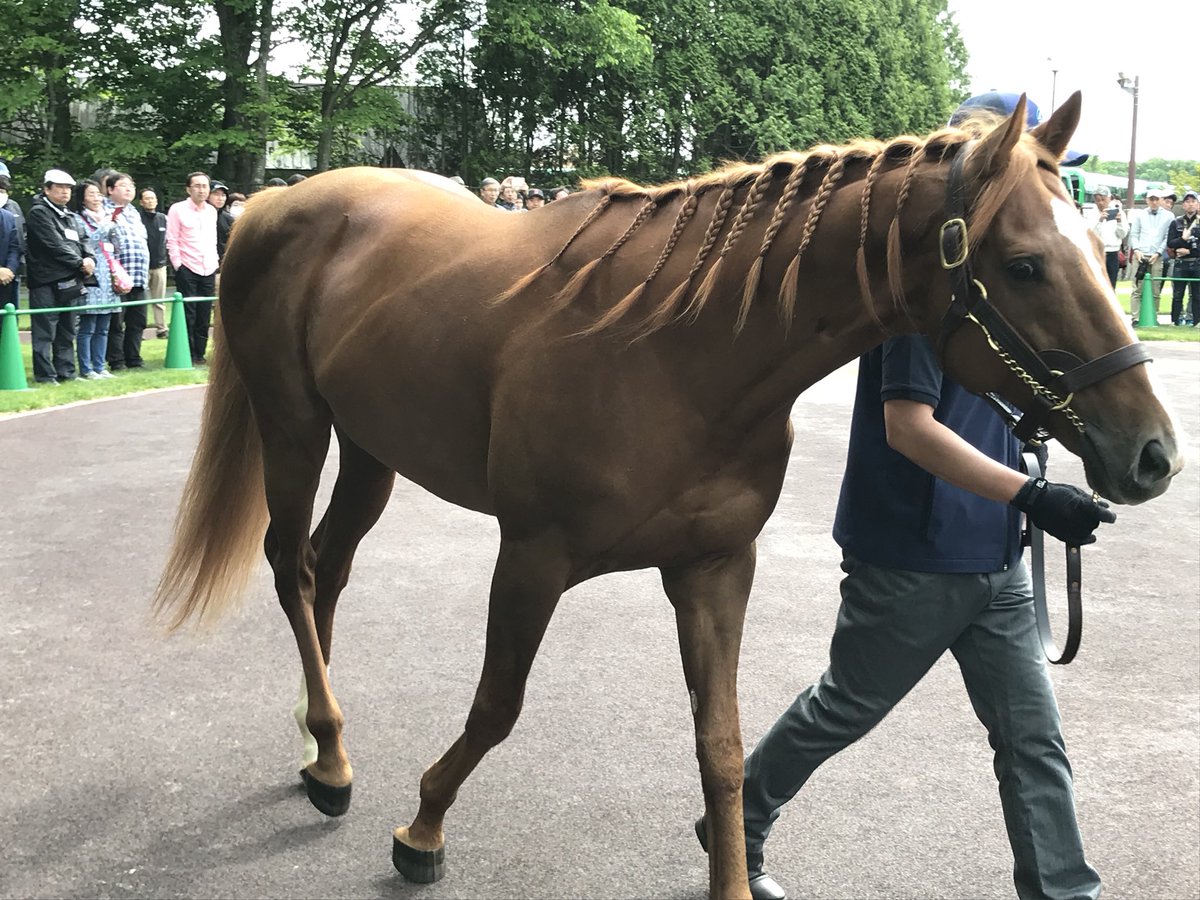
192	250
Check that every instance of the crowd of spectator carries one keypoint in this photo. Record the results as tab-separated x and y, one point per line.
97	242
1154	243
513	194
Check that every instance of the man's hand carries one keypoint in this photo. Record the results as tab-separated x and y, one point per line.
1062	510
6	275
1137	256
89	265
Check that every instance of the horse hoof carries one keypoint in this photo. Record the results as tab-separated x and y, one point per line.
333	801
419	866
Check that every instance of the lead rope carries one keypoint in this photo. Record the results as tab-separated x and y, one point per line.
1033	538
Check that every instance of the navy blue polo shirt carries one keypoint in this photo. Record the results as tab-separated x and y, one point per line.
893	513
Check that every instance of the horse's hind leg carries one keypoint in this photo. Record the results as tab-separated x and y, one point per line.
293	456
360	495
710	605
529	578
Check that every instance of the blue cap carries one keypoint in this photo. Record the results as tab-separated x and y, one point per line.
4	169
1003	105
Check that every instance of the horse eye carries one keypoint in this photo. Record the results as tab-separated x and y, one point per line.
1024	269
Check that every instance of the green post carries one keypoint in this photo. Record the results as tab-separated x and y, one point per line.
12	367
1148	314
179	351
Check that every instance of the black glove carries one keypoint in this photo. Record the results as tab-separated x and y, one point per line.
1041	451
1062	510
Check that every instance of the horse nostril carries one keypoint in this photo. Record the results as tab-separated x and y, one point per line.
1153	464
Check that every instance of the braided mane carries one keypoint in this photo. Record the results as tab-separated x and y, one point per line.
798	173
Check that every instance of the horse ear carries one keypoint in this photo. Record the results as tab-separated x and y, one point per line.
1055	133
993	151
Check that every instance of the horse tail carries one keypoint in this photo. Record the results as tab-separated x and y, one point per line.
223	513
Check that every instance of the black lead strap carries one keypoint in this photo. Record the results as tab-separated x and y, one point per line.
1034	539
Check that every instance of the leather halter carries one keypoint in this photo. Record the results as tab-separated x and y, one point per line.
1053	376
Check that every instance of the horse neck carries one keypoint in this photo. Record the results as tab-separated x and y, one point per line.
767	365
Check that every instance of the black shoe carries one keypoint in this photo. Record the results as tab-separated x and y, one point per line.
762	885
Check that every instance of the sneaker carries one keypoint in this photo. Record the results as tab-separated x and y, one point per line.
90	376
161	334
104	373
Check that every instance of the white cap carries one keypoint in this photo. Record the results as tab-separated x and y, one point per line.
58	176
1154	192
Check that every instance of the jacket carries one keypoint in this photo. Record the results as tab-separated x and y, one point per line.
55	250
156	236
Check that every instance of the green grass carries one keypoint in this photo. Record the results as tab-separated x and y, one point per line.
125	382
1162	332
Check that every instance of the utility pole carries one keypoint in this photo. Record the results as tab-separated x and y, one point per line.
1131	87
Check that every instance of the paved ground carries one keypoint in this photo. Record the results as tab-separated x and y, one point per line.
144	767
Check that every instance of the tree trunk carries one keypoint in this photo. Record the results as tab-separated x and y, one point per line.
256	162
328	108
245	88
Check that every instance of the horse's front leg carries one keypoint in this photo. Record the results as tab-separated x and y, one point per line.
710	604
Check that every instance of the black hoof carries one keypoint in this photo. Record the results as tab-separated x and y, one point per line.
333	801
420	866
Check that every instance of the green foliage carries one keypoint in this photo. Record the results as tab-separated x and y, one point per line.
552	89
1181	173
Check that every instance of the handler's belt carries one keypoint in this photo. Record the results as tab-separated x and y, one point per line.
1033	538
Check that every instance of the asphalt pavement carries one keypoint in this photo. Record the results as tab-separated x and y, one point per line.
144	766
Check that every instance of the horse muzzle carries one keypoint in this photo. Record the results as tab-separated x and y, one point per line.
1131	470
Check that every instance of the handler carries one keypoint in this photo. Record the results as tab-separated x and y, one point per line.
929	524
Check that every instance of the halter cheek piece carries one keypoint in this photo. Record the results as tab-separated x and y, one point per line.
1053	376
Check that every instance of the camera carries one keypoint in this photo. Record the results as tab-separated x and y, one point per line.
1111	213
1142	269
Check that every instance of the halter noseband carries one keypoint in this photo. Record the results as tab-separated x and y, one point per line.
1053	376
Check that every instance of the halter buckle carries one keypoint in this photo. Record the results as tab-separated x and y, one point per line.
1059	407
960	251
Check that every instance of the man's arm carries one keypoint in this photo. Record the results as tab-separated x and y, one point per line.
174	230
10	254
1059	509
1175	236
913	431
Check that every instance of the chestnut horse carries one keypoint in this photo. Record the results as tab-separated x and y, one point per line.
611	377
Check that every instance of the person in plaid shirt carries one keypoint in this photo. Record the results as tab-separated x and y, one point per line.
133	252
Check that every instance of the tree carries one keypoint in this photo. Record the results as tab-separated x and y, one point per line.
361	45
42	45
555	80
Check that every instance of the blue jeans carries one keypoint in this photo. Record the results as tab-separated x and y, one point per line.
892	627
91	341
